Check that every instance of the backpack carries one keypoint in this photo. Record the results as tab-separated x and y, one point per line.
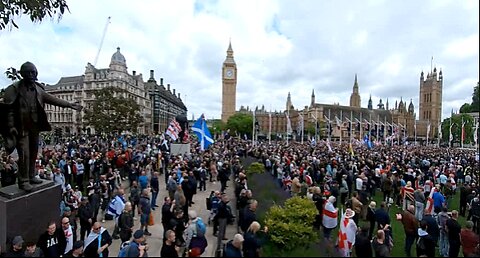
201	228
124	248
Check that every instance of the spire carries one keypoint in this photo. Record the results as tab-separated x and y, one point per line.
386	105
355	85
312	102
229	58
370	104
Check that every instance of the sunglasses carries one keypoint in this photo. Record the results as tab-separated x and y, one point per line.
97	228
65	222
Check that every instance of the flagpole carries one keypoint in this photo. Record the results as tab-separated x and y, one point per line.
341	121
269	126
361	129
428	132
439	133
301	134
288	117
415	133
450	132
330	126
316	125
378	128
351	125
253	128
462	133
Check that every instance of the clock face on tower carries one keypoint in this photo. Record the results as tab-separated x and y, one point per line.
229	73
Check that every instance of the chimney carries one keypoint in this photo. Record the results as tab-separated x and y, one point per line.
161	81
179	95
168	87
134	73
151	74
174	92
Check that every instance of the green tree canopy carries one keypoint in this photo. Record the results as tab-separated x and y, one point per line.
456	121
37	10
111	112
475	106
240	123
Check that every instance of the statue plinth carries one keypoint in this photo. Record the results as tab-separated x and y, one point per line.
12	191
28	213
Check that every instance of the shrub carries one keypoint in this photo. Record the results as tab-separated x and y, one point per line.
291	226
255	168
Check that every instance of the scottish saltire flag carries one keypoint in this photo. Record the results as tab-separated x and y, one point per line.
201	130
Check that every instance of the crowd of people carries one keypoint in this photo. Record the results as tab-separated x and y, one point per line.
118	178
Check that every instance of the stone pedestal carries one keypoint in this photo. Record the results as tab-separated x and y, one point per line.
27	214
177	148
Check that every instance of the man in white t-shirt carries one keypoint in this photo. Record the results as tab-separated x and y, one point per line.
67	230
359	182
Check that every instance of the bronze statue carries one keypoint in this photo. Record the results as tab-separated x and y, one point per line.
23	117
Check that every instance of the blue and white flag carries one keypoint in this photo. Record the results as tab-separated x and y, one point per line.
201	130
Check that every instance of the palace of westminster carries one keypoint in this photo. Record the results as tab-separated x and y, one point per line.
159	104
401	116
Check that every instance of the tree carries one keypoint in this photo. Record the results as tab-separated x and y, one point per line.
111	112
475	106
240	123
466	108
456	120
37	10
217	127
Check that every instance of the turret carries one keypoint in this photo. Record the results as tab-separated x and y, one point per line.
370	104
312	102
411	108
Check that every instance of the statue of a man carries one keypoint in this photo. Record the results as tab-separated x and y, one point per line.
24	103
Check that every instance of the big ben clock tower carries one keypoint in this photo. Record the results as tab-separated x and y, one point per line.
229	85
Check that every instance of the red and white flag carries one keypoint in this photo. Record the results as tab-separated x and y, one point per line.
346	235
429	207
173	129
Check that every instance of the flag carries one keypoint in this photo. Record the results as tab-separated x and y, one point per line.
339	122
201	130
289	125
428	131
451	135
475	134
173	129
463	131
440	130
350	149
429	206
346	235
300	123
329	147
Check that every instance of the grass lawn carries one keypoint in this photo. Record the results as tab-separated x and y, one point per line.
267	192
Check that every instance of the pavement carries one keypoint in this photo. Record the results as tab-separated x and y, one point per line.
155	240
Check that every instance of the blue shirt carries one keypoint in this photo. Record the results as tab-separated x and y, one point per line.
438	199
143	181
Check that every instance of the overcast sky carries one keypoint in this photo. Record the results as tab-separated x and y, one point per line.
279	47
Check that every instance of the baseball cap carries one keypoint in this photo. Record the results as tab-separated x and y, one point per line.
17	240
138	234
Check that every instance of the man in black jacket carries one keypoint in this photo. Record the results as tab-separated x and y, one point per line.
52	242
85	213
363	247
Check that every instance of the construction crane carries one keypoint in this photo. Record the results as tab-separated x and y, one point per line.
101	42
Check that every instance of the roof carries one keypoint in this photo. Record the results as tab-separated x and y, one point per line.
348	111
152	85
71	81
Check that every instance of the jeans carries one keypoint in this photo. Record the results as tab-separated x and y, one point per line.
419	206
154	198
444	246
409	240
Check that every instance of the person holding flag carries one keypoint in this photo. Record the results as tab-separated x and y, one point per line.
347	233
330	217
201	130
